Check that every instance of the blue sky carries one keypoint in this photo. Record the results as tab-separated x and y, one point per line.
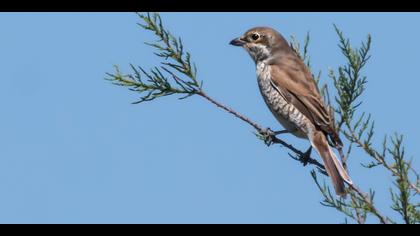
75	150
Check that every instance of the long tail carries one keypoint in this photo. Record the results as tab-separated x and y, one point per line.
332	165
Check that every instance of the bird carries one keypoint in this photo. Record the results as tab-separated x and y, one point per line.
292	95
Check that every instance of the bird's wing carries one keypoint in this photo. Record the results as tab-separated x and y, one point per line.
293	80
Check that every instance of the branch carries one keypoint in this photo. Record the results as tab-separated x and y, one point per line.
231	111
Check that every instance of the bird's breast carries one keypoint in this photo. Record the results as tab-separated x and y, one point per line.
287	114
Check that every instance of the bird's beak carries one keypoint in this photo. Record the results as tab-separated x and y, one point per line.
237	42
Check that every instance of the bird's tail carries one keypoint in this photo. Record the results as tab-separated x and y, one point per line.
332	165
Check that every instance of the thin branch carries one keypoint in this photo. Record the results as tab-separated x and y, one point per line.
231	111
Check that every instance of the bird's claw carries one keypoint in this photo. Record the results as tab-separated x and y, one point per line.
269	136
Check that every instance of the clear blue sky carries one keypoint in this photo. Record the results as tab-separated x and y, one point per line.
74	150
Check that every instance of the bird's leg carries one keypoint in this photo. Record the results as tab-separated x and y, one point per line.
306	156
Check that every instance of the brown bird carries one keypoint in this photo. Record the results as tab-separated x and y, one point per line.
292	95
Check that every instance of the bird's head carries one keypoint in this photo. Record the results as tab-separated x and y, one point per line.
262	43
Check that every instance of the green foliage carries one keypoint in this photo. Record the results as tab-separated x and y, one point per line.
402	200
350	84
164	80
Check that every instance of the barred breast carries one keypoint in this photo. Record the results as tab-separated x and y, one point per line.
286	113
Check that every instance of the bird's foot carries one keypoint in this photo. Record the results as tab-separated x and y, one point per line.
269	136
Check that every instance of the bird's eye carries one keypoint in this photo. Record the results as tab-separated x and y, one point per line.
255	36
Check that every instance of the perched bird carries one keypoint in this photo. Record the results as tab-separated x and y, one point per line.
292	95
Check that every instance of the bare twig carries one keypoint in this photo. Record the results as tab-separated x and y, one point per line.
231	111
